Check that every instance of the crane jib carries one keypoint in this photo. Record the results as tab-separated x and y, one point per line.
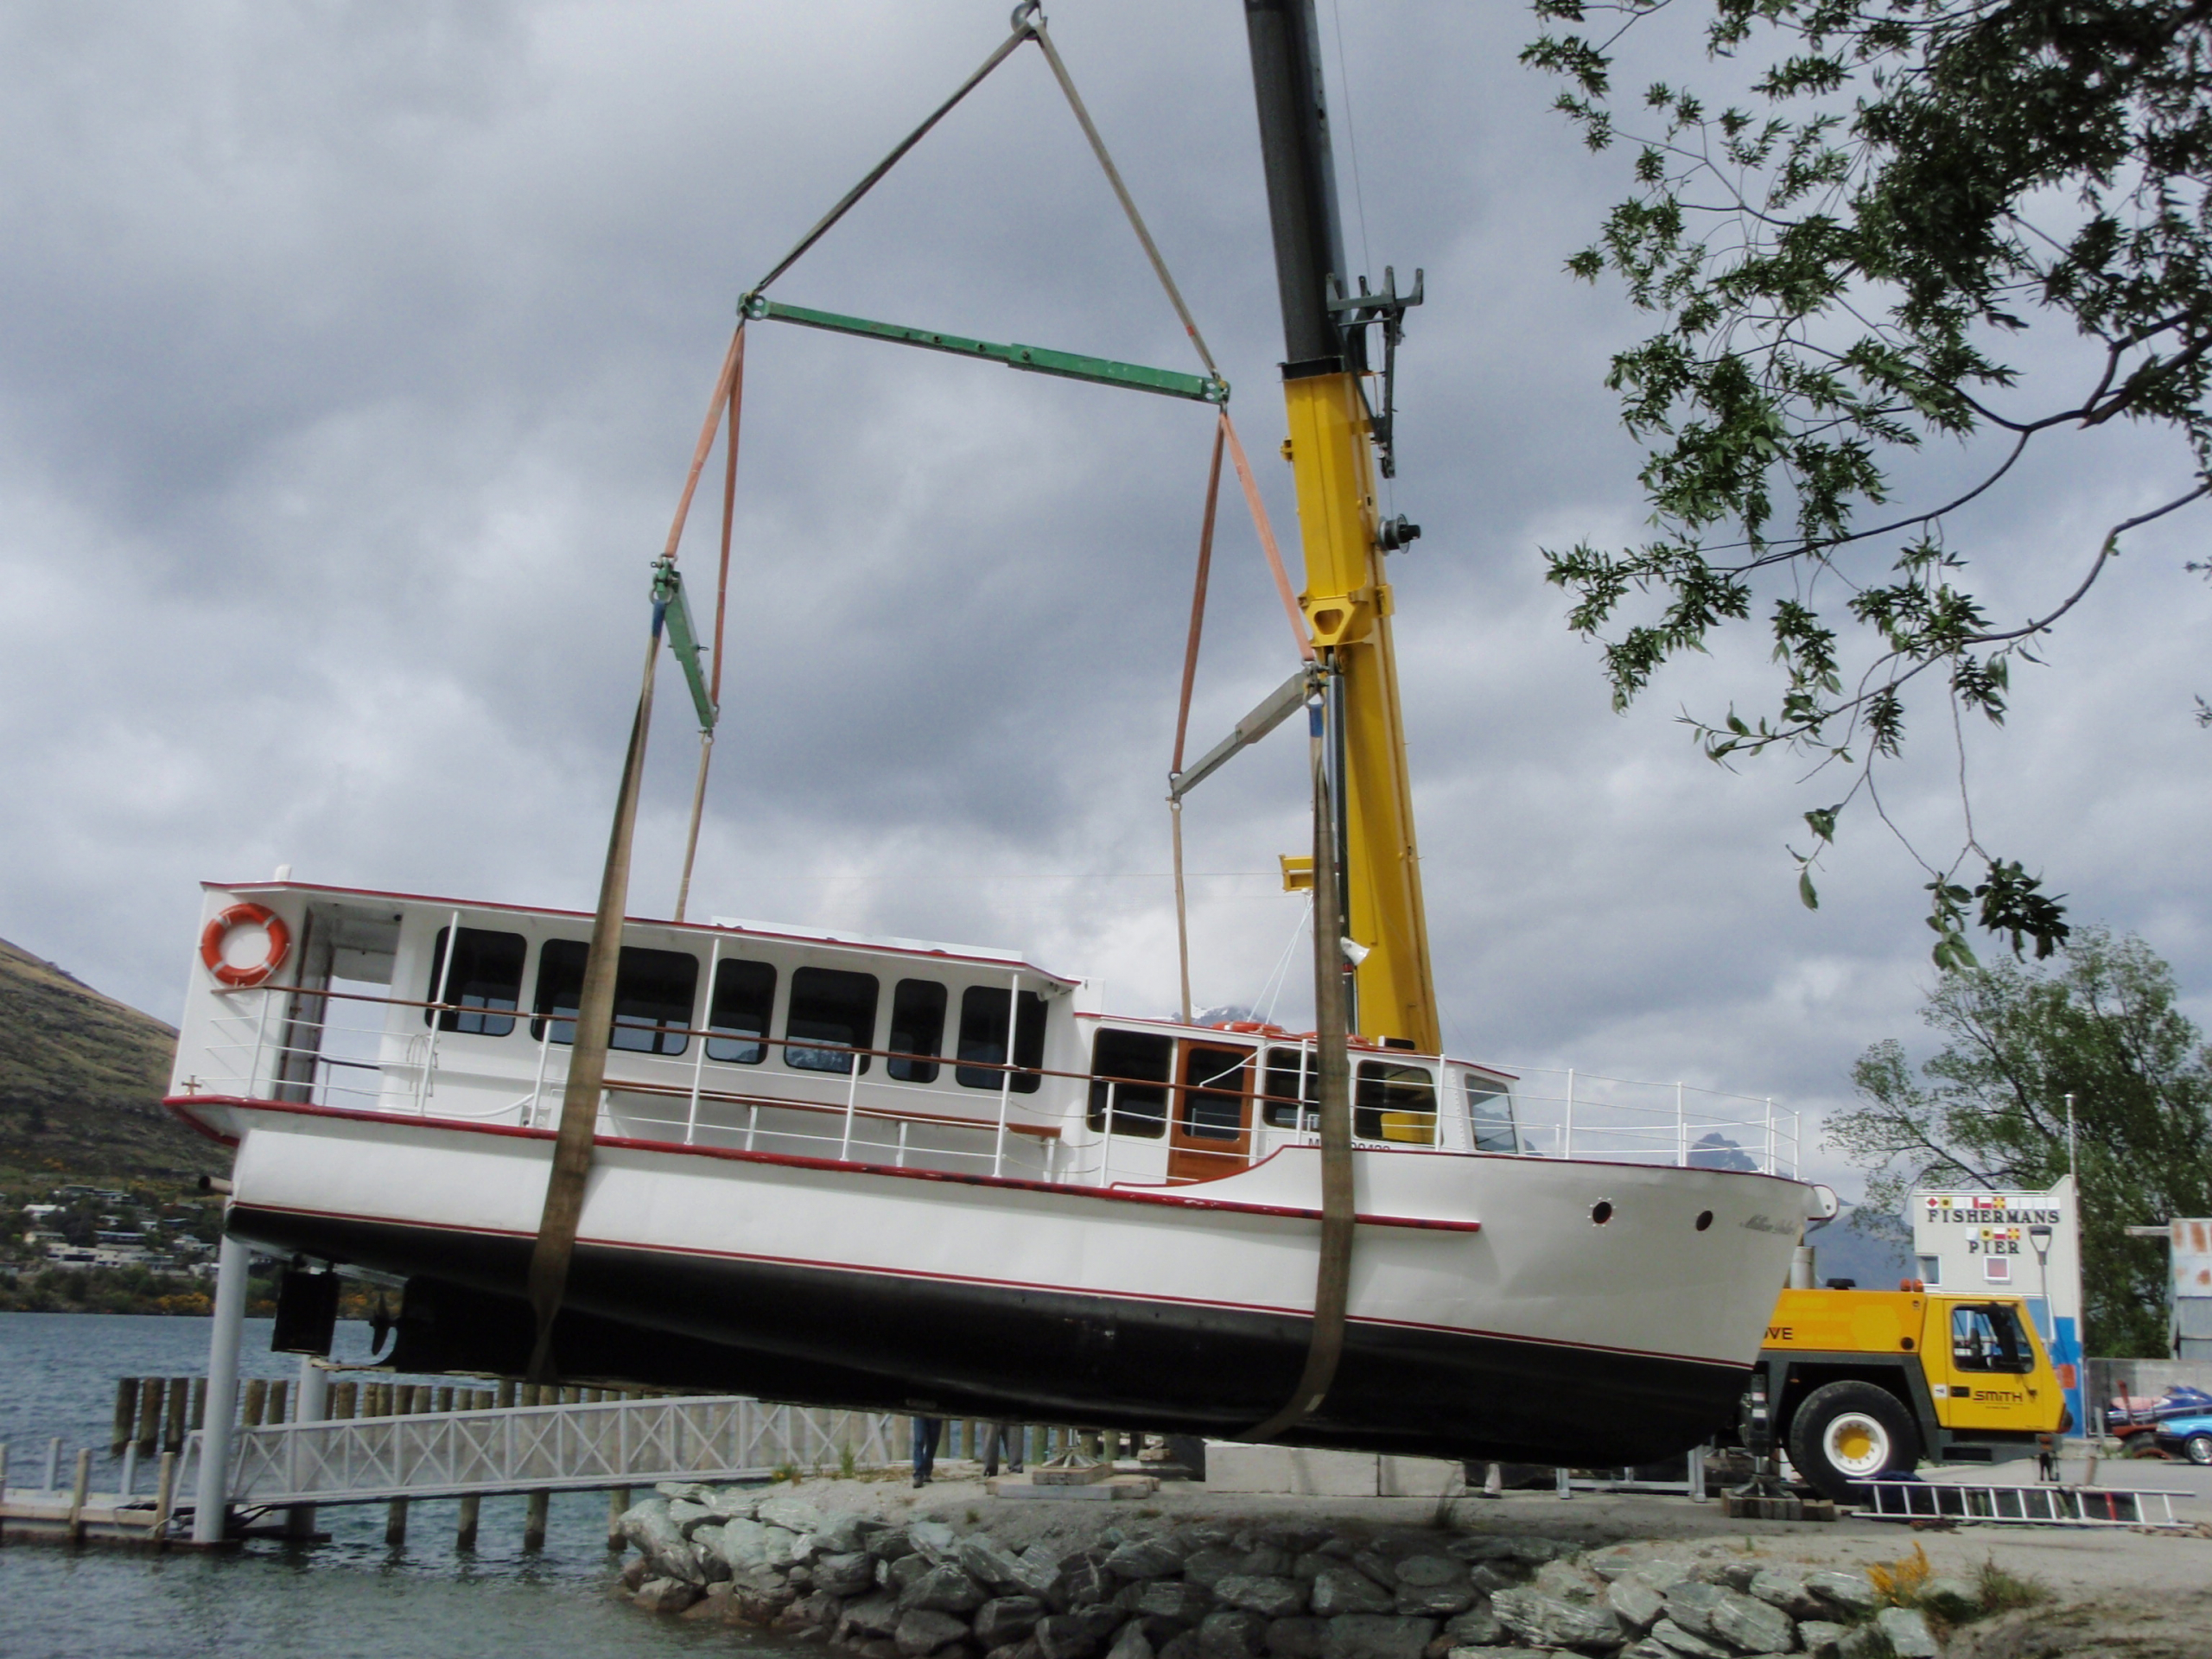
1037	360
682	637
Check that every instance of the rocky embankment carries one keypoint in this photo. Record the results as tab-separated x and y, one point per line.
1157	1590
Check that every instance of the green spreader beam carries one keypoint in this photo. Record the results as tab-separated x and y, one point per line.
682	637
1204	388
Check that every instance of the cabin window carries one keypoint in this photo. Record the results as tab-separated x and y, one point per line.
1989	1340
917	1031
486	977
653	989
745	992
654	993
1213	1093
830	1005
1490	1116
1284	1089
1395	1102
983	1040
1129	1071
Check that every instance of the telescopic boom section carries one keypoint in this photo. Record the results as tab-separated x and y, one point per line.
1347	599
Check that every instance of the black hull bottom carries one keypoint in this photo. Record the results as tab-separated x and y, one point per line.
883	1342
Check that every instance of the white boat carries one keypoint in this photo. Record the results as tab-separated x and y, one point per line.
896	1175
820	1176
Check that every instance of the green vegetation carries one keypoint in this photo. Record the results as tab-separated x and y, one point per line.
1972	226
2103	1027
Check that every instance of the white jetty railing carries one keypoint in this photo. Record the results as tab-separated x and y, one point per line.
541	1448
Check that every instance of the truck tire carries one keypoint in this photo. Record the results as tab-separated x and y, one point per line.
1845	1433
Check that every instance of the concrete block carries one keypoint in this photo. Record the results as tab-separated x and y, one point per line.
1414	1477
1232	1467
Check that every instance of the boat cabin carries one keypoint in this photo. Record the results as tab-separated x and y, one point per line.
769	1039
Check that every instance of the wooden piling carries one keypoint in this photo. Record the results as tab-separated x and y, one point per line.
150	1413
173	1419
3	1492
257	1401
618	1503
445	1400
506	1392
534	1517
126	1414
77	1491
342	1397
279	1396
464	1533
199	1418
395	1518
164	1499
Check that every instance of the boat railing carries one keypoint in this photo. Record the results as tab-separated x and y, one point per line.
333	1048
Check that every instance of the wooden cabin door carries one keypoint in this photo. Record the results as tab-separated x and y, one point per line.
1210	1133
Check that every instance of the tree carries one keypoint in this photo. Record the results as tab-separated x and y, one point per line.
2102	1027
1843	261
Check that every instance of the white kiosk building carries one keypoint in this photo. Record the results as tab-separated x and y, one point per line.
2023	1244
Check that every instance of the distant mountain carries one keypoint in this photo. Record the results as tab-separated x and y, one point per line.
81	1081
1843	1251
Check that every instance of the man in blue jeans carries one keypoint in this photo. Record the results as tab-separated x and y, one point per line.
926	1430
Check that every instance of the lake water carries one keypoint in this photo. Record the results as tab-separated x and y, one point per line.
352	1597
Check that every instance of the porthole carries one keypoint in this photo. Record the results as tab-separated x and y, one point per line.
1602	1211
1704	1220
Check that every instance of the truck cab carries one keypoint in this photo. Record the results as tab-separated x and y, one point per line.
1865	1383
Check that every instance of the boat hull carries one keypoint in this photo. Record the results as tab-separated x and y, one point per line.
1477	1283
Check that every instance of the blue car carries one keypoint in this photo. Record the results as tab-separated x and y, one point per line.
2189	1437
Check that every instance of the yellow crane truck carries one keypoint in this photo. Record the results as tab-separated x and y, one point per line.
1858	1384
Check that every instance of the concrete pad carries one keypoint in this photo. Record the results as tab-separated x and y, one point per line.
1415	1476
1296	1471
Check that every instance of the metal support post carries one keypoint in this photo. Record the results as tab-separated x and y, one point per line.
211	1505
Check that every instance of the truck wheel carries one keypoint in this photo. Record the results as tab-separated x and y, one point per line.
2199	1448
1849	1432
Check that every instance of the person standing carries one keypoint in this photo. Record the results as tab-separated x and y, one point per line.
1009	1436
926	1430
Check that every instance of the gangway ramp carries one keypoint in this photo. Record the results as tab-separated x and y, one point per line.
547	1448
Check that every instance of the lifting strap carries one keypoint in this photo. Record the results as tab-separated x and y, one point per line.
732	387
1183	707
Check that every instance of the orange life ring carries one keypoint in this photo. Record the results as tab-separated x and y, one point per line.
212	938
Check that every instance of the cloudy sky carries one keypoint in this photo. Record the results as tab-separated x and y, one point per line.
351	355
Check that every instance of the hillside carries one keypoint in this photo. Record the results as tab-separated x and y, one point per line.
81	1079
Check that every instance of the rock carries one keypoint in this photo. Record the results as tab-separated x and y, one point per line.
1536	1551
1185	1646
987	1563
850	1575
1730	1575
1146	1557
1612	1561
688	1491
666	1595
792	1514
1852	1591
1209	1566
1341	1589
1292	1538
1635	1602
1750	1625
1490	1577
1907	1632
1065	1635
1479	1627
779	1544
800	1579
1566	1581
1036	1569
1378	1564
1819	1638
934	1538
840	1534
1661	1576
759	1593
874	1647
1177	1599
906	1571
689	1516
1297	1638
1544	1621
1261	1562
1779	1587
1269	1596
820	1611
635	1572
1863	1641
1230	1634
1377	1635
1082	1581
649	1527
734	1502
1686	1644
1436	1601
1429	1571
1481	1548
1132	1642
944	1590
890	1544
714	1605
871	1616
1690	1606
1005	1619
922	1631
1647	1649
